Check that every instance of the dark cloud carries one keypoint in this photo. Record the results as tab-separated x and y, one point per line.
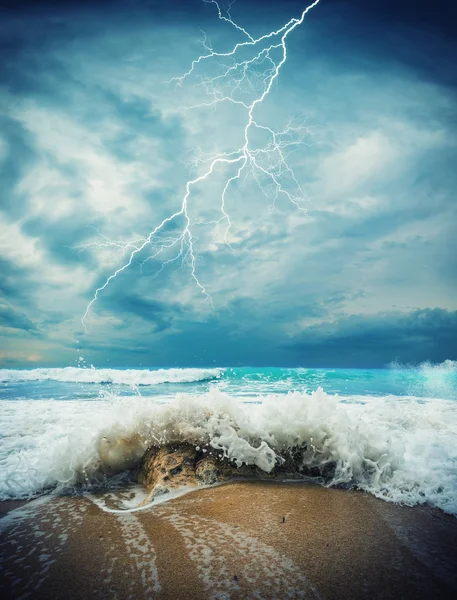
14	319
14	282
401	35
161	314
439	16
62	237
115	347
19	155
371	341
376	340
360	64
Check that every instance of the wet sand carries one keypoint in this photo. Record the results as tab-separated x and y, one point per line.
240	540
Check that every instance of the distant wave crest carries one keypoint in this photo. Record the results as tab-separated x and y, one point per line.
117	376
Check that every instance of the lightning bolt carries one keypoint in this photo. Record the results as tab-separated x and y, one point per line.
242	76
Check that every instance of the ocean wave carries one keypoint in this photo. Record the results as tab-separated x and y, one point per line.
401	449
430	379
117	376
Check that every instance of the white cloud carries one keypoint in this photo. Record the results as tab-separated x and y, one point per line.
351	167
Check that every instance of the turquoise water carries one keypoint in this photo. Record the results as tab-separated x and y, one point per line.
391	432
425	381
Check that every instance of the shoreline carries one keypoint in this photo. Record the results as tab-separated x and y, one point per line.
236	540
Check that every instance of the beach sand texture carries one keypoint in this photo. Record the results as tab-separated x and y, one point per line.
240	540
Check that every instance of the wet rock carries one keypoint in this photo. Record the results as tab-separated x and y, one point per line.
292	460
325	471
311	471
170	467
166	468
215	468
182	465
208	470
328	470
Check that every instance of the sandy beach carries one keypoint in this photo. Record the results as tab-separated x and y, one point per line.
239	540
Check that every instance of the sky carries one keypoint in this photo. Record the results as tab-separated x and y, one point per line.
97	145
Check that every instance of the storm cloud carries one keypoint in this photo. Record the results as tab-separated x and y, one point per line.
95	146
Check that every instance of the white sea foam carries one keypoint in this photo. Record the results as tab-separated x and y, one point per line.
117	376
439	378
402	449
430	379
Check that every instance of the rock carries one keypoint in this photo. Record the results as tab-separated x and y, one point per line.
173	466
214	468
166	468
324	471
207	470
292	460
182	465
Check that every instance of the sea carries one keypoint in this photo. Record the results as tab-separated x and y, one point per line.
391	432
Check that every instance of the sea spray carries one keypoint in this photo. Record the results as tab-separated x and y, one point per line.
428	379
400	449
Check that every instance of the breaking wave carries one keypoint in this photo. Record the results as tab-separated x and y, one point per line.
116	376
430	379
401	449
